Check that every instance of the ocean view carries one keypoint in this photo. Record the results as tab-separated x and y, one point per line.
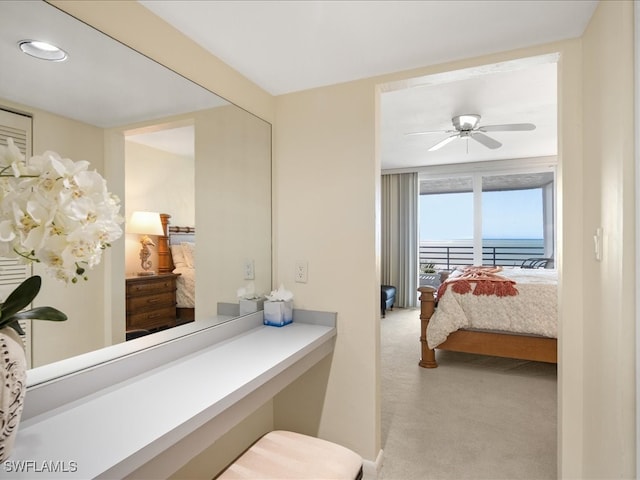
489	242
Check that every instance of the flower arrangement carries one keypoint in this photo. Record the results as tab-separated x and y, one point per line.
56	212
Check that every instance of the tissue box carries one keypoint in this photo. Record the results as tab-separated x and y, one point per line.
278	314
250	306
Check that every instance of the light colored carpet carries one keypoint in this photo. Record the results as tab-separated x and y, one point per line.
473	417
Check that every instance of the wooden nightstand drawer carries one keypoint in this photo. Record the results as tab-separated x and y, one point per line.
167	299
148	285
160	317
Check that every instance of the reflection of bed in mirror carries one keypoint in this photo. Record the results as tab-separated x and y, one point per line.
176	254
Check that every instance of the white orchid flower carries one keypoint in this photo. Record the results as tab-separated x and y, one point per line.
55	211
10	154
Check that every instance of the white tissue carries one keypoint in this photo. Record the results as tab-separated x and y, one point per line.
280	295
248	292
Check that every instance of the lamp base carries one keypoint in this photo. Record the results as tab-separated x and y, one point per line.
146	273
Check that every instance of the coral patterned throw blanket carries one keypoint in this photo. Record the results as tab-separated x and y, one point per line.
480	281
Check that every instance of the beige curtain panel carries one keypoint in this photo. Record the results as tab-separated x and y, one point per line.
399	236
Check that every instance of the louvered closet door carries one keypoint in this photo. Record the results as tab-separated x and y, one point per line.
12	272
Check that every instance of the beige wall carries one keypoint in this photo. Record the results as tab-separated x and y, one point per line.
570	256
84	329
329	134
233	211
325	204
609	196
145	169
326	200
325	132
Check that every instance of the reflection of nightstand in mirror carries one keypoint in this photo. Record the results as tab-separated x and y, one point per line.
151	302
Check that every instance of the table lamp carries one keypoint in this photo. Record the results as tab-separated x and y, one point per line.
145	224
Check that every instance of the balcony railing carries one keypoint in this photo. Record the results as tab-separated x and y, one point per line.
446	257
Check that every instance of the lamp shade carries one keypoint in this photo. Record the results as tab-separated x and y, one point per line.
147	223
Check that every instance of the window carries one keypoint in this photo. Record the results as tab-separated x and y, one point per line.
486	218
517	214
446	222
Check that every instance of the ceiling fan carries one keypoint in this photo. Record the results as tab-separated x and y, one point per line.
467	126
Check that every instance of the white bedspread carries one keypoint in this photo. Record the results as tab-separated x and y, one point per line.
186	287
533	311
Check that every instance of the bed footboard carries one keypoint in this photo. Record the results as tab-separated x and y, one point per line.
427	307
523	347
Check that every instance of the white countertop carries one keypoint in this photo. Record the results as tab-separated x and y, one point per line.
116	430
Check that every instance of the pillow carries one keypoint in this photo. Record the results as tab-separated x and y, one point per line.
189	252
456	272
178	256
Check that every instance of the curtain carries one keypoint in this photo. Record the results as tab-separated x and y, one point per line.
399	236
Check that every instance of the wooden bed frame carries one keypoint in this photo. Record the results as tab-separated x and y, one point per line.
523	347
165	260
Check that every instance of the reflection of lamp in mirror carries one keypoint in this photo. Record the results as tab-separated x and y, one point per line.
145	224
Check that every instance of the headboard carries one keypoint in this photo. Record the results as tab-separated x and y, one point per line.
172	235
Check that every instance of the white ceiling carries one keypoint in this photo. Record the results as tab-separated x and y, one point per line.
518	92
102	83
288	46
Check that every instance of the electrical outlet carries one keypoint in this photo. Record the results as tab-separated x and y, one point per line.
249	273
301	272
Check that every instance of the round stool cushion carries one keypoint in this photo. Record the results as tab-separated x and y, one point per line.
287	455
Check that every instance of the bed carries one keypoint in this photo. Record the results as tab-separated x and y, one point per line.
512	314
176	253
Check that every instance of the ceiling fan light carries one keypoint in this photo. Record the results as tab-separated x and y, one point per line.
466	122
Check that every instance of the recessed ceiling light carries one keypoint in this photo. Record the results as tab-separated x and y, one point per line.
42	50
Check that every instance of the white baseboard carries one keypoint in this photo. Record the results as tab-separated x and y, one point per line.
371	469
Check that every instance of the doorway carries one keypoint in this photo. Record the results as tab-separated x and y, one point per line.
412	123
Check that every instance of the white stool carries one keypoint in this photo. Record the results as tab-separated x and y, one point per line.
287	455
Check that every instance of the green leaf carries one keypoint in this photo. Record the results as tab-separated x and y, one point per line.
11	311
16	326
41	313
21	297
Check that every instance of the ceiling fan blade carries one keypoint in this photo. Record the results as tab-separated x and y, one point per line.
511	127
442	143
428	132
486	140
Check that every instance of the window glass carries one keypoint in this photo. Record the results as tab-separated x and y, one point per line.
514	211
446	223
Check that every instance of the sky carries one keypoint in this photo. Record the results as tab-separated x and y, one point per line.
506	215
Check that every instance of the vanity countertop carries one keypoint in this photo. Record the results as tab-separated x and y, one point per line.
114	431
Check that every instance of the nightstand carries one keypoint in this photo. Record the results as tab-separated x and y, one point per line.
151	302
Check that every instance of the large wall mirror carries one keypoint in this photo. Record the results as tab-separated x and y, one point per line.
164	144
